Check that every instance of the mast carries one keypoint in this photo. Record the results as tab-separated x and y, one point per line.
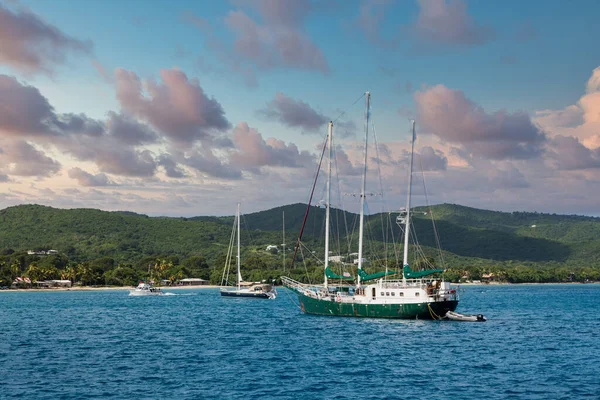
283	244
328	200
362	192
239	274
407	222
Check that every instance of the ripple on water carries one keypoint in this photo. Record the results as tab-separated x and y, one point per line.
536	345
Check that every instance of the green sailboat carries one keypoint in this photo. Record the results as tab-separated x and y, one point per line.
416	294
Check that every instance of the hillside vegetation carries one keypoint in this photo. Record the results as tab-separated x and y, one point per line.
99	247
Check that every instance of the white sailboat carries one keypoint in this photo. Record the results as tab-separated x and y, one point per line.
412	296
242	288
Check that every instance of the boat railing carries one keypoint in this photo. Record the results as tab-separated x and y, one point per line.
292	284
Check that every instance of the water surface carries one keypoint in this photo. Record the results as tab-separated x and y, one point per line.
540	342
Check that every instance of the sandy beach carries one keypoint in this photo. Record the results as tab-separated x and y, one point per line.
91	288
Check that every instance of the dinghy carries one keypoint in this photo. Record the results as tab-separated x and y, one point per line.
468	318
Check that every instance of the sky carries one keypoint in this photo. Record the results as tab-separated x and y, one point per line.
184	108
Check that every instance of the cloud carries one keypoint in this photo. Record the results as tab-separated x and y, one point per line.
178	107
254	152
170	166
279	41
111	156
23	159
31	45
205	162
25	112
580	120
570	154
293	113
129	131
504	175
106	77
86	179
446	22
433	160
23	109
452	117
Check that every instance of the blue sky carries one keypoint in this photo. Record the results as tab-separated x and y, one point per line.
492	61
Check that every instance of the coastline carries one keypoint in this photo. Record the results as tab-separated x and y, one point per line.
101	288
168	288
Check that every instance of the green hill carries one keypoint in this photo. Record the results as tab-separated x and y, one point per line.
470	238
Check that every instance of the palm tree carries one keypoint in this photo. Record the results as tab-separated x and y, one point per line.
69	273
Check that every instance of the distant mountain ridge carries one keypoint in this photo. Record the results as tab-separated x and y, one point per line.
468	235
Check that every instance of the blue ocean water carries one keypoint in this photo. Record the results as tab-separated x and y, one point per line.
540	342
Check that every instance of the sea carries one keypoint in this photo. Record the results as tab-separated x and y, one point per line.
540	342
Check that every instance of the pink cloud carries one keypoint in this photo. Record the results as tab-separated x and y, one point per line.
580	120
178	107
23	159
86	179
452	117
446	22
293	113
255	152
30	45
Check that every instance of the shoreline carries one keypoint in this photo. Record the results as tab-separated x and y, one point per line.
102	288
167	288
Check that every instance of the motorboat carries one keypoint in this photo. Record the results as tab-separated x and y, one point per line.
146	289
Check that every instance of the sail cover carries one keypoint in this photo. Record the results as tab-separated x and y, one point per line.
332	275
410	274
367	277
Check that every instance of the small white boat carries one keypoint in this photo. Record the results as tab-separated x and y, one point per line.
146	289
454	316
257	290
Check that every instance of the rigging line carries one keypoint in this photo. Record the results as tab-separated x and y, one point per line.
312	192
344	213
337	211
376	144
435	232
344	112
227	266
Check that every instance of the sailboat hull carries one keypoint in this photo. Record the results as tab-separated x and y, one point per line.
425	310
233	293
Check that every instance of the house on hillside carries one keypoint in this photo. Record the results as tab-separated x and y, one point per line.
193	282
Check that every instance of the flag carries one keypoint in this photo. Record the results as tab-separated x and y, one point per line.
346	274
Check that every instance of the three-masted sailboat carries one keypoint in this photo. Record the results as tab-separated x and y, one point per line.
243	289
415	295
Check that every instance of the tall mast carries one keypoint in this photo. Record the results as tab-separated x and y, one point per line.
362	191
239	274
283	243
407	222
328	200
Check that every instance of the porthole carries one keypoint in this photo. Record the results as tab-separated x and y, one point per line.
393	293
417	294
382	294
387	293
401	293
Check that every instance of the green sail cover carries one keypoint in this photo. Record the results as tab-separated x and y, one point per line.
332	275
367	277
410	274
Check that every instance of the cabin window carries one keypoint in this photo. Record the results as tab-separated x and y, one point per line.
382	294
401	293
417	294
393	293
387	293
